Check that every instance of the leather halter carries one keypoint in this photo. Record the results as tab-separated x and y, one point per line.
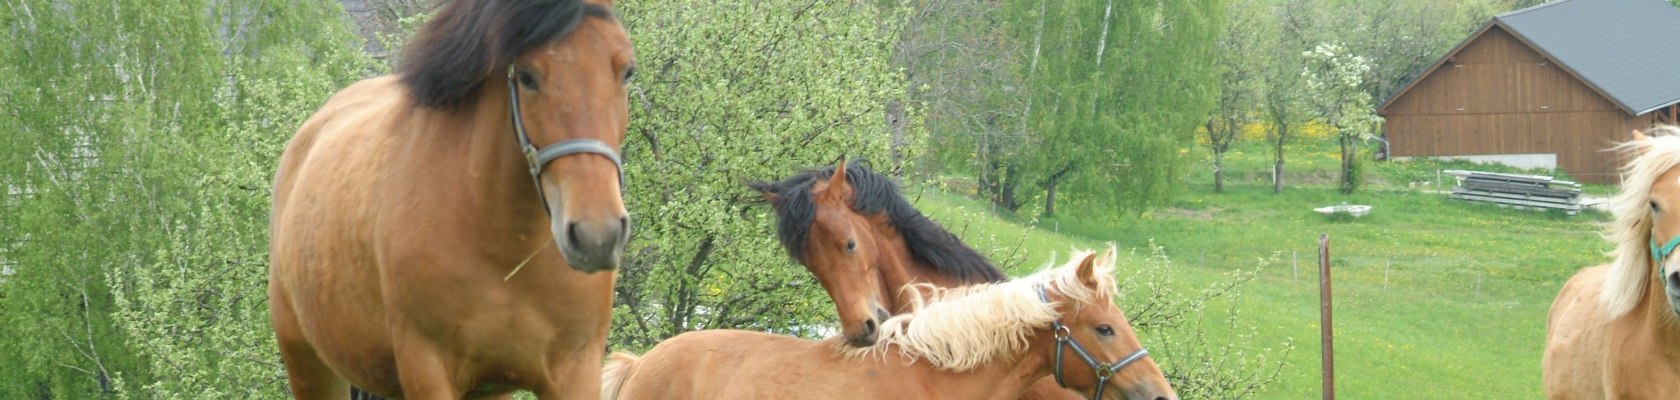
536	158
1103	371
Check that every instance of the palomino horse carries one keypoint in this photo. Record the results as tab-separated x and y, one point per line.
404	206
863	241
1613	331
988	341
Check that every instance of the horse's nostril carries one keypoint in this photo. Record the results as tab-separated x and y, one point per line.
572	235
881	313
869	327
623	227
1162	398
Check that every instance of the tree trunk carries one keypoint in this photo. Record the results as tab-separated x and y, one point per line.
1347	164
895	123
1050	200
1218	172
1006	196
1282	128
1050	190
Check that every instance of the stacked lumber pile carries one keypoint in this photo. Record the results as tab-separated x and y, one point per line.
1519	191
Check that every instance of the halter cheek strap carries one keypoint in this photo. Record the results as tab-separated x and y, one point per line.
536	158
1658	254
1064	340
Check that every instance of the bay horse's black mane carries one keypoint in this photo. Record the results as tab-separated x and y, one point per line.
875	194
470	41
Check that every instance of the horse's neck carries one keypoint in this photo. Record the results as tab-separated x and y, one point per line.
900	268
482	171
1004	378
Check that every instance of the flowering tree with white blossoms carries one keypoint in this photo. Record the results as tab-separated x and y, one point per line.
1334	79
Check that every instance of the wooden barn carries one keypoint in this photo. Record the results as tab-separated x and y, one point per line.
1547	86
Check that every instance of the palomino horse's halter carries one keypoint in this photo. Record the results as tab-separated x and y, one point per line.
1658	254
537	158
1064	339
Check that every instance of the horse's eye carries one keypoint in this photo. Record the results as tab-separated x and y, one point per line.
528	80
1654	207
851	246
1105	330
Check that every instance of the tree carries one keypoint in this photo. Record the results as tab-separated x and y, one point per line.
1118	85
1334	78
783	85
146	172
961	70
1242	58
1283	93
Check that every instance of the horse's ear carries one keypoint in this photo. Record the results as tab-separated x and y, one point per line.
768	190
1640	137
837	185
1087	271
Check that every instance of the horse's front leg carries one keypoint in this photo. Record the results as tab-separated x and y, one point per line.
577	377
424	370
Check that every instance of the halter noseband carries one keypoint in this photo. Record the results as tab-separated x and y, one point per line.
1064	339
1658	254
536	158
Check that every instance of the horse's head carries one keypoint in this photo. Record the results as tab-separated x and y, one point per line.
1647	226
837	245
1096	341
564	66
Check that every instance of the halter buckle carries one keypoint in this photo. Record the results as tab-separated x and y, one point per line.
1104	371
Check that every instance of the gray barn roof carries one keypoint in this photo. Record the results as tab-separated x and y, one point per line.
1624	49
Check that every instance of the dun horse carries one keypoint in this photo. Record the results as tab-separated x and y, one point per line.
1613	331
452	231
988	341
863	241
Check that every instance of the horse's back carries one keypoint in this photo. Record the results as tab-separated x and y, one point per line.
1573	363
324	281
712	364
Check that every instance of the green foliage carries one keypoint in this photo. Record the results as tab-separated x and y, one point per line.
1118	85
1243	57
781	86
145	136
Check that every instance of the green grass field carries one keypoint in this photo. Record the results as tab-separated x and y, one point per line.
1434	298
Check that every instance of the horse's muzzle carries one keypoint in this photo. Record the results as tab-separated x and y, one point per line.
593	247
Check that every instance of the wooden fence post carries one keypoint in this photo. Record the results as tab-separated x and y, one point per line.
1327	359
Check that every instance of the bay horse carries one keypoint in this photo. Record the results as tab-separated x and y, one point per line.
852	229
1614	330
436	234
985	341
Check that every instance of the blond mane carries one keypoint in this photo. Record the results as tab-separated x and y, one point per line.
1631	230
962	328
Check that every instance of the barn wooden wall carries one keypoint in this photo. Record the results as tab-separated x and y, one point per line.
1499	96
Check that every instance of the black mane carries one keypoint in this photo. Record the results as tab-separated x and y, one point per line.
470	41
875	194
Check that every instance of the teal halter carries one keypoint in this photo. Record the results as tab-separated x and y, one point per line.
1658	254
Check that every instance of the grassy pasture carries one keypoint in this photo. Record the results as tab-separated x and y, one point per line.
1434	298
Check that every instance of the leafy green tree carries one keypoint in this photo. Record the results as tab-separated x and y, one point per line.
1282	88
143	137
963	73
1334	78
782	85
1115	89
1242	58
